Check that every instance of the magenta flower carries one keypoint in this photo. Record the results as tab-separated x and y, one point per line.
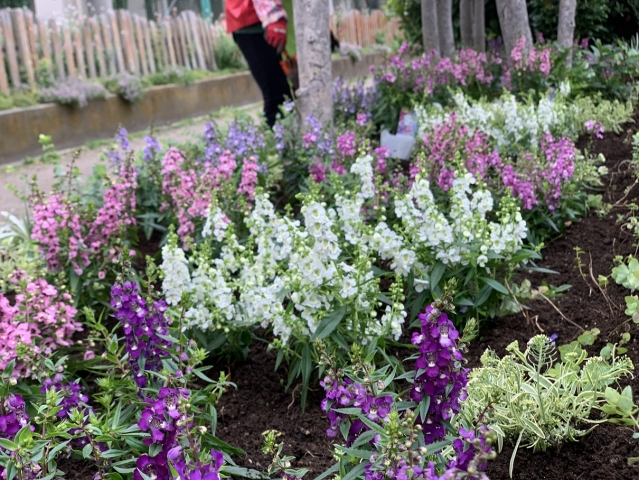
155	423
444	331
153	467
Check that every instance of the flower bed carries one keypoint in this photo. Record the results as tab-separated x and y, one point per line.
342	292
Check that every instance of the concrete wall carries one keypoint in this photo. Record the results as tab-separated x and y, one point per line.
70	127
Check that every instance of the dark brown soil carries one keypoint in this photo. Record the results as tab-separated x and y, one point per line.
260	403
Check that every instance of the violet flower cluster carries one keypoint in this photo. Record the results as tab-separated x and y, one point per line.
344	393
73	91
428	72
439	375
69	392
440	381
244	139
116	155
353	103
168	424
13	418
143	326
151	148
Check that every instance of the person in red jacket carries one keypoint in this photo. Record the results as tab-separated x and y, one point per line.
259	29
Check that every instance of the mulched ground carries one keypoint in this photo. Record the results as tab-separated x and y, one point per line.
260	403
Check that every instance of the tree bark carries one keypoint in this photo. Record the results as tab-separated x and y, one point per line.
566	25
479	25
445	27
513	19
430	33
466	24
312	34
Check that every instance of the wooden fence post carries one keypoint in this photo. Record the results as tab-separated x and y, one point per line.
89	48
44	44
4	81
79	51
99	46
117	44
57	48
20	34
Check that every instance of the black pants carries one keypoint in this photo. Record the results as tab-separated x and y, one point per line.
264	63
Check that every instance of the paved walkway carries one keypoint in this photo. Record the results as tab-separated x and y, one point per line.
19	174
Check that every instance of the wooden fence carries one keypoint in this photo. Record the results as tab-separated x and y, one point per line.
362	28
118	41
100	46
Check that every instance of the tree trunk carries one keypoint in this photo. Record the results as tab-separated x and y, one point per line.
466	24
566	25
479	25
430	32
513	19
312	34
445	27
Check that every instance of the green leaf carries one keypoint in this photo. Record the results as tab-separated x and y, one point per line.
534	427
8	445
198	372
307	369
495	285
328	324
87	450
437	274
55	450
356	472
326	473
222	446
356	452
512	458
483	295
242	472
424	405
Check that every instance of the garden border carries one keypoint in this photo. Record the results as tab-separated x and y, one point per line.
69	127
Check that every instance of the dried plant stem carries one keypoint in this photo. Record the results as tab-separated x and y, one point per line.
561	313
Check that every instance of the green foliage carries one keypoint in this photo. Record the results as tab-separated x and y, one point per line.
632	307
605	69
622	410
16	4
17	251
19	98
228	54
44	73
627	275
591	18
174	75
612	114
530	398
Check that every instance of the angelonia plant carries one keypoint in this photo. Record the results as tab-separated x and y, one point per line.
319	277
146	419
394	430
